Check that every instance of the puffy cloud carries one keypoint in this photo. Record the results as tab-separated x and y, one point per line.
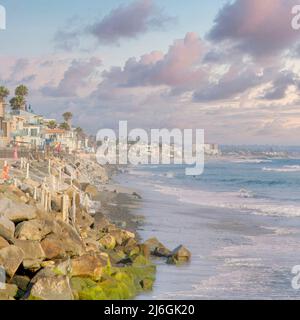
280	86
75	79
260	28
234	82
128	22
177	68
125	22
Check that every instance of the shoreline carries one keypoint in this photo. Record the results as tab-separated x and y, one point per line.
252	248
64	224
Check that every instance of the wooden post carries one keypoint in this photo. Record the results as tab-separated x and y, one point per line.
42	196
54	186
86	202
49	167
74	208
59	178
27	170
49	202
65	208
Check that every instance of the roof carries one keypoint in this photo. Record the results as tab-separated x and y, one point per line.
55	131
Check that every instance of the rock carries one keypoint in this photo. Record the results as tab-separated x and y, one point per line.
33	254
157	248
21	282
47	264
53	248
63	267
108	242
92	191
7	228
51	288
3	243
11	258
92	245
5	297
35	230
179	255
16	212
9	290
147	284
84	220
89	265
64	241
70	171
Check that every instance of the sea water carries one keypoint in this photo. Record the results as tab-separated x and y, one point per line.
240	220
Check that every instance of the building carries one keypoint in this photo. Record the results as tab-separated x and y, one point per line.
29	130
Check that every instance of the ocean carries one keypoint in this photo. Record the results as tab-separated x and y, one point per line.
240	220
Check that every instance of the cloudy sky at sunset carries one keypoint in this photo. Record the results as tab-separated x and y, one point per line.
229	67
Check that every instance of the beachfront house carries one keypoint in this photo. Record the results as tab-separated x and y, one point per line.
66	138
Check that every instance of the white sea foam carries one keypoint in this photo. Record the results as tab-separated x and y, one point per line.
283	169
251	161
231	200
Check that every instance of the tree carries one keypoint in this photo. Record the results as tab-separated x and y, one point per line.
64	126
21	91
17	103
68	117
80	133
52	124
4	93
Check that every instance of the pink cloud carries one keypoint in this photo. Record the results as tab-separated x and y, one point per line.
256	27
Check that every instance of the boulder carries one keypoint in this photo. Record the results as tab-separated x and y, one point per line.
53	248
83	219
91	245
35	230
3	243
64	241
179	255
157	248
70	171
92	191
88	265
5	297
33	254
16	212
108	242
11	258
9	290
21	282
7	228
52	287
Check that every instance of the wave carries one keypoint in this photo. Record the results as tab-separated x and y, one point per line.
252	161
283	169
243	201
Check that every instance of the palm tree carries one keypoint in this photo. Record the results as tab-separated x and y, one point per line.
4	93
80	133
64	126
68	117
52	124
17	103
21	91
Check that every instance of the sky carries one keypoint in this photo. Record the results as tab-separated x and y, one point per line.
229	67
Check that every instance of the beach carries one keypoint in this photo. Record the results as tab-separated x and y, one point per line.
243	246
